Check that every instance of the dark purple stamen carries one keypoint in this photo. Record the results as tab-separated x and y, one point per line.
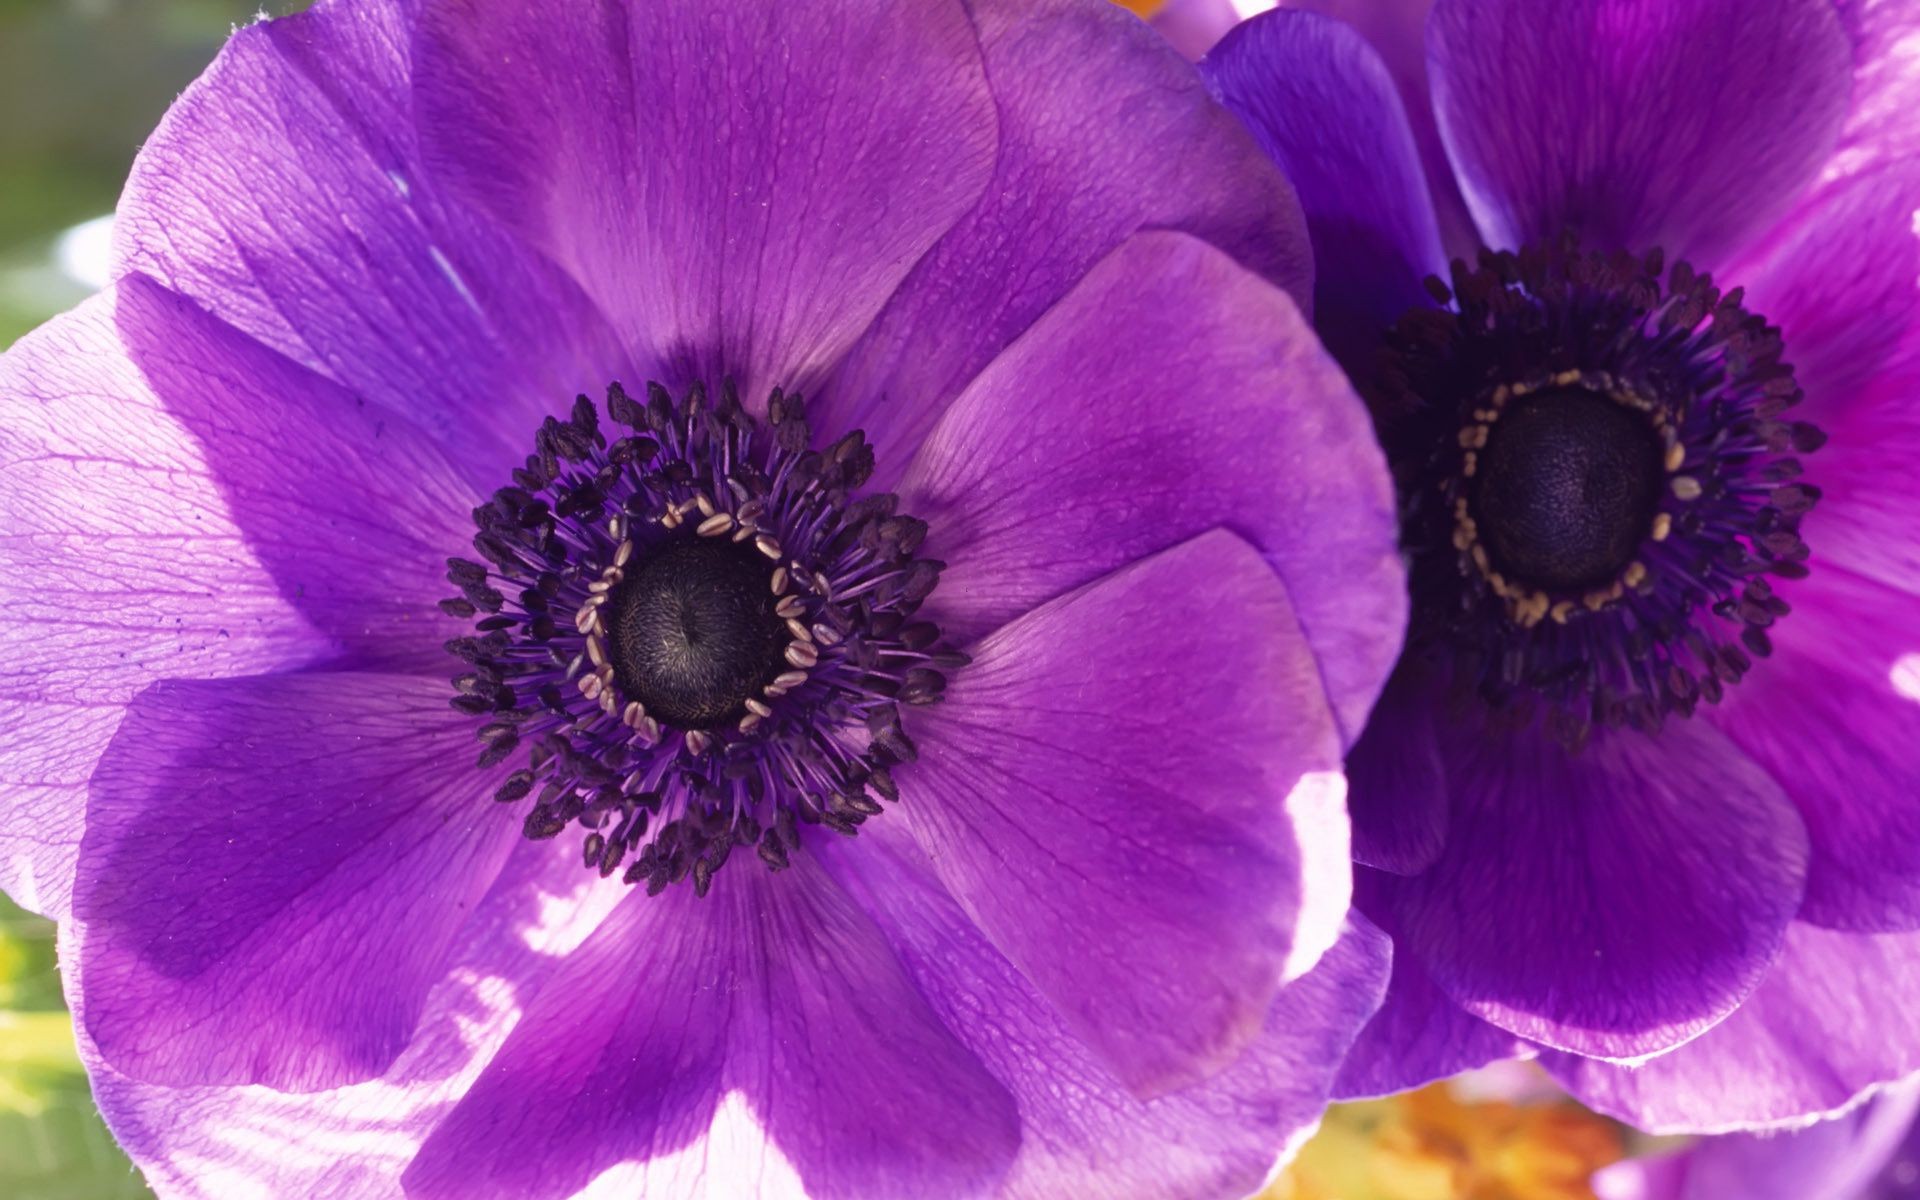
1596	480
697	633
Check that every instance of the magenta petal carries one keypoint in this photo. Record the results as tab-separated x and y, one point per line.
258	852
1597	116
1883	125
1318	99
1833	1018
1419	1034
284	193
1086	1134
800	193
677	1000
1834	716
1840	280
1183	393
159	521
352	1142
1612	903
1144	824
1103	132
1838	277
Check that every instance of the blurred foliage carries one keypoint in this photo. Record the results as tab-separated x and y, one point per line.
81	83
53	1145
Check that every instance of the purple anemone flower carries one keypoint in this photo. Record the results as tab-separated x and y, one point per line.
1639	797
908	576
1872	1152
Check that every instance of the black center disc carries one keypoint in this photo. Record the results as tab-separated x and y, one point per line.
693	633
1566	489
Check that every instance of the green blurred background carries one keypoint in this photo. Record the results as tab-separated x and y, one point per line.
81	83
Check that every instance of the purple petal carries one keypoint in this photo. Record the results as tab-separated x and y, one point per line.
1085	1132
1840	281
1028	500
1612	903
1833	1018
1134	791
1866	518
1871	1153
1396	785
161	521
739	187
1103	132
1832	1160
1882	125
772	985
1319	100
284	193
1397	31
1419	1035
1193	26
351	1143
1604	117
277	867
1838	277
1834	716
1655	1177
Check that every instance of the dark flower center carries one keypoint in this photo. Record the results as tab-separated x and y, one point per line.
693	633
697	631
1596	481
1566	487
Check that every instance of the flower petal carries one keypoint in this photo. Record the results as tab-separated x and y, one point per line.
1193	26
1397	31
1549	113
1612	903
1418	1035
1319	100
1028	500
739	187
1883	125
1868	1154
1842	283
1396	785
1103	132
214	1143
775	986
1833	714
1833	1018
284	193
160	521
1839	278
276	870
1085	1133
1134	792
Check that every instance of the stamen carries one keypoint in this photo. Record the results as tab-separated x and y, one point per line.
677	539
1594	483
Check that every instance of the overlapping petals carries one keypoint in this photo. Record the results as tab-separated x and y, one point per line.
162	523
249	911
1786	167
358	263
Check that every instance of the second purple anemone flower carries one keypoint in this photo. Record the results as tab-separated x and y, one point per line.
633	597
1640	797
